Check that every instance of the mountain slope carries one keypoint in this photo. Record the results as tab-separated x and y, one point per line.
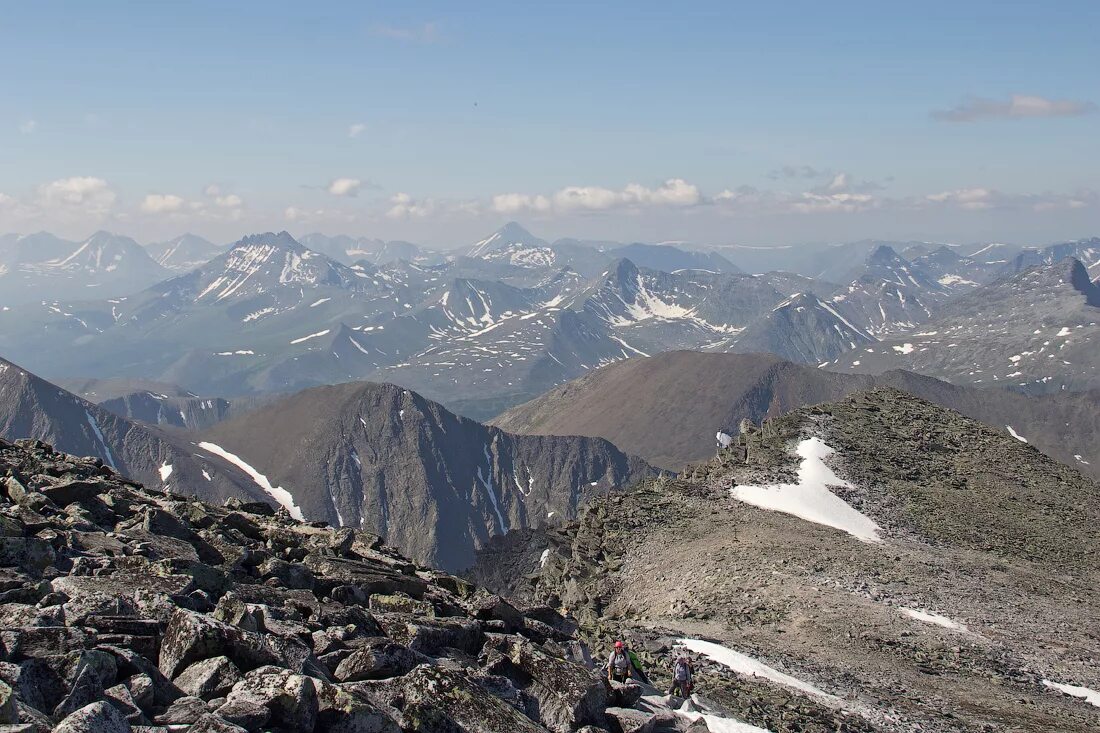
184	253
436	485
41	267
970	607
667	408
668	258
1037	331
802	328
33	408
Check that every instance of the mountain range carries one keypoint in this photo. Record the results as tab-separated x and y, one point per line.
372	456
693	396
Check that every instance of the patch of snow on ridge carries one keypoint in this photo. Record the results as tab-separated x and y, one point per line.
748	666
693	710
99	436
1015	435
278	493
1092	697
933	618
544	557
904	348
165	471
311	336
810	498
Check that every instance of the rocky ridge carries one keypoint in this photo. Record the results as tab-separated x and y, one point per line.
975	610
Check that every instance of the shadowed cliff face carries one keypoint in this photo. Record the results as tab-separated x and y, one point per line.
437	485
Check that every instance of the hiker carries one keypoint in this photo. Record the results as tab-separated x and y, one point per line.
683	678
623	663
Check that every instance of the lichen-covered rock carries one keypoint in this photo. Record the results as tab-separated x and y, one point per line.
290	698
568	695
98	717
208	678
377	659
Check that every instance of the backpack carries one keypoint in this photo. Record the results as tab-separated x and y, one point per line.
681	672
620	661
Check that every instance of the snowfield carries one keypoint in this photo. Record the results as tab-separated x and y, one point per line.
810	498
278	493
748	666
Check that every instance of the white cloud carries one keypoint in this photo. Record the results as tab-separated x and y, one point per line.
212	190
92	194
981	199
229	201
296	213
28	127
6	201
426	33
510	203
404	206
1016	107
160	203
345	187
356	129
674	192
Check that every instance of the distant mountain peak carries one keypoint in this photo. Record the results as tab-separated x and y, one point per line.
509	234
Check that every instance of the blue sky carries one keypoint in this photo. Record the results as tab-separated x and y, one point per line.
719	122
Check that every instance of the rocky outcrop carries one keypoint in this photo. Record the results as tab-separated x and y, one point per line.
127	609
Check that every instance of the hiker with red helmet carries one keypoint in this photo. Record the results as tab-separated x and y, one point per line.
623	663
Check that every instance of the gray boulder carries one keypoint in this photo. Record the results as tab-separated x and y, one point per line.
377	659
291	698
98	717
568	695
209	678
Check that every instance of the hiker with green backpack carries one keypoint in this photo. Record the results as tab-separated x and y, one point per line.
623	664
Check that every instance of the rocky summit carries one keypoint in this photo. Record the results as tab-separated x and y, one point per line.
129	609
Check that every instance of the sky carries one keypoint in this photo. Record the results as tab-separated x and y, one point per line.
710	122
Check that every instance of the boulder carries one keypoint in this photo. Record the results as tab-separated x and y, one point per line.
208	678
437	699
86	688
98	717
184	711
377	659
629	720
211	723
8	712
291	698
124	702
192	637
568	696
247	713
429	636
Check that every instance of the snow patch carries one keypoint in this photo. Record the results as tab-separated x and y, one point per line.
102	442
310	336
904	349
278	493
1015	435
165	471
1092	697
748	666
544	557
933	618
810	498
